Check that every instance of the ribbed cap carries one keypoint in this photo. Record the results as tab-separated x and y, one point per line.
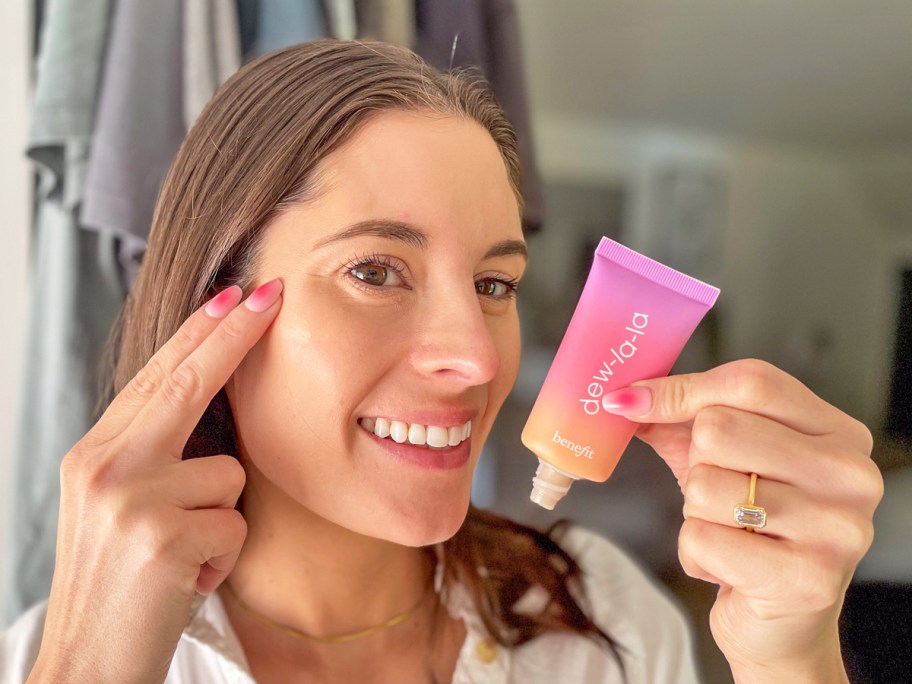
549	486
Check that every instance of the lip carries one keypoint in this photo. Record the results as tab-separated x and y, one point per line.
450	458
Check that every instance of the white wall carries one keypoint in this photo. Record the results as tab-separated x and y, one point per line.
15	200
805	247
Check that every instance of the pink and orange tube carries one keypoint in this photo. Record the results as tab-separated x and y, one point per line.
632	321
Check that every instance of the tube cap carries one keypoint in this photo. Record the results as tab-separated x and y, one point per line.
549	485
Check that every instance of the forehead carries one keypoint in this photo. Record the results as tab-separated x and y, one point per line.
441	173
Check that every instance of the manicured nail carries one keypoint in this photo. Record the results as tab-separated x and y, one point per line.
222	304
630	401
264	296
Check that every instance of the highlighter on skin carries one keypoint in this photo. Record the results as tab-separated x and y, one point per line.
631	323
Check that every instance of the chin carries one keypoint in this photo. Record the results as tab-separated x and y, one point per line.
424	526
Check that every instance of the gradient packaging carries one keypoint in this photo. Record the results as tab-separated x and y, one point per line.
631	323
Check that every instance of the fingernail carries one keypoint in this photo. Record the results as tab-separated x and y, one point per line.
630	401
264	296
222	304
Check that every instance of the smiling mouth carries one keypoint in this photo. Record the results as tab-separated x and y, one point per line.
431	436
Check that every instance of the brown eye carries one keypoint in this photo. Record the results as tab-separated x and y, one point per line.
372	274
492	287
486	287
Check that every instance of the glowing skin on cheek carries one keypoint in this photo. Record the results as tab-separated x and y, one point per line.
295	337
300	336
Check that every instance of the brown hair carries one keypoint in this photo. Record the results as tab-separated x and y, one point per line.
251	155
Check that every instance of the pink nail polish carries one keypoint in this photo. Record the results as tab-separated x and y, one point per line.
264	296
630	401
222	304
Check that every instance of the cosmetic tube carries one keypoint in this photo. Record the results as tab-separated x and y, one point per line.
630	324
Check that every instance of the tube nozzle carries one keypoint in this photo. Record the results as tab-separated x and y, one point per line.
549	485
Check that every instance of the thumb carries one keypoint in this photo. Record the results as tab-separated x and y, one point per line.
658	400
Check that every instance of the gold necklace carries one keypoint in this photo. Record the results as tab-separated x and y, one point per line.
292	632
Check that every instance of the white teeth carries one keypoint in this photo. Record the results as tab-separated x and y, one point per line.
454	435
417	434
381	427
431	435
398	431
437	436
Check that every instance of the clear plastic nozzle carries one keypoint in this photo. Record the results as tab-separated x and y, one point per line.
549	485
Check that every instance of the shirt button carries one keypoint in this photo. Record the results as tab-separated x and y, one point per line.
486	650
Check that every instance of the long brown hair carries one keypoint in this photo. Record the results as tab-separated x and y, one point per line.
252	155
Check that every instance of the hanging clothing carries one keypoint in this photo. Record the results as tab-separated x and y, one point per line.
486	36
392	21
212	51
76	287
140	124
268	25
119	81
340	15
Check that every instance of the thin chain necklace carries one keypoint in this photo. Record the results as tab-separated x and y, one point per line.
297	634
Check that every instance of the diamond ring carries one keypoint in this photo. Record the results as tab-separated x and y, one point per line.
747	515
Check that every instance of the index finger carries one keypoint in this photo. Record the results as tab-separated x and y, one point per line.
749	385
124	408
169	418
132	405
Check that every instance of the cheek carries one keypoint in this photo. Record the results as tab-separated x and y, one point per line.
507	341
310	369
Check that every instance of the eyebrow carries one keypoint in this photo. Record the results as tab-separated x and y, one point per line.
414	237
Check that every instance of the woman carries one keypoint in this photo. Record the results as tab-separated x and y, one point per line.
368	207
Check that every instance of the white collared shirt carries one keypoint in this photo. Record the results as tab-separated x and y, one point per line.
653	635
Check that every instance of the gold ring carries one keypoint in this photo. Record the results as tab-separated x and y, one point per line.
747	515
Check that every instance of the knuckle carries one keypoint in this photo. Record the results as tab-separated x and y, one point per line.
853	534
87	473
156	539
698	489
237	525
819	580
236	475
184	338
231	473
231	329
863	537
72	468
752	381
689	551
183	386
147	381
863	478
675	396
709	428
875	484
688	539
865	437
124	516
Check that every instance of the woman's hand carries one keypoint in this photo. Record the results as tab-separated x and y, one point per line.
140	530
781	589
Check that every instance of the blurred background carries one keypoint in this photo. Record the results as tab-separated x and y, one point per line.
764	147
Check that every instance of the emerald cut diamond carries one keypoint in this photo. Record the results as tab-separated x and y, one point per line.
750	516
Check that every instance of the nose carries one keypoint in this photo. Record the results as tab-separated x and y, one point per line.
455	342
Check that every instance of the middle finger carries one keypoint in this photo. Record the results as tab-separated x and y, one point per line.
745	442
711	494
170	417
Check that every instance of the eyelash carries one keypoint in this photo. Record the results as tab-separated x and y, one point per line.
512	284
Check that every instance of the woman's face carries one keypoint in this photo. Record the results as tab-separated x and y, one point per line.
397	311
